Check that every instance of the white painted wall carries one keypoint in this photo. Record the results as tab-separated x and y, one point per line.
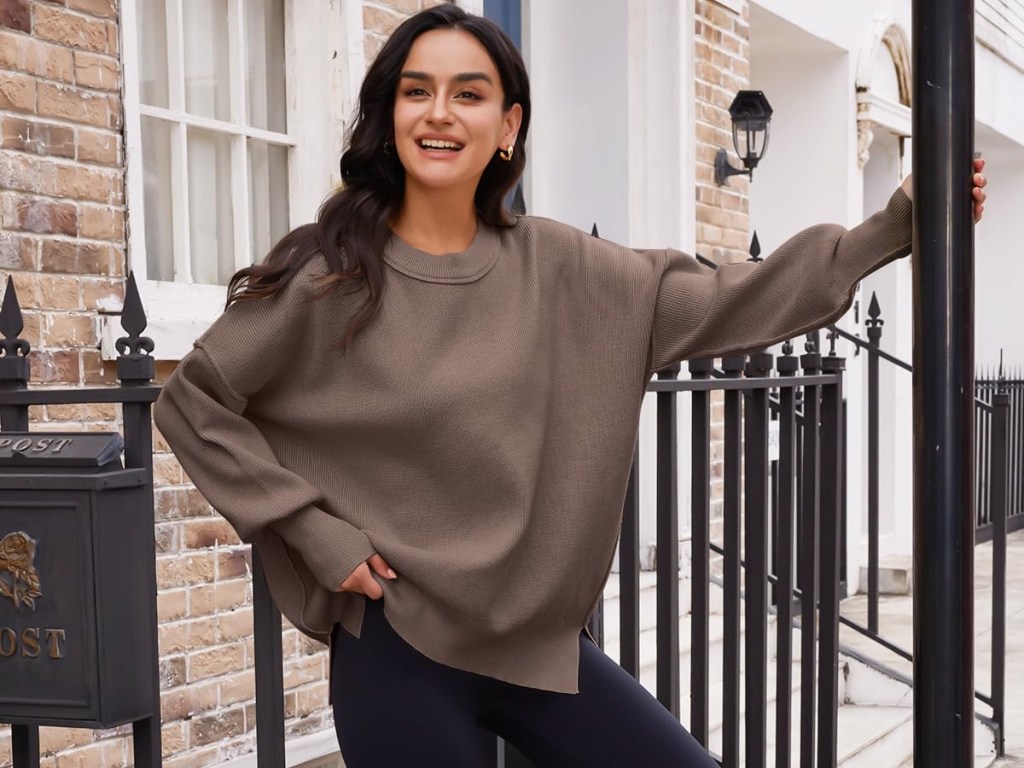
579	164
612	142
999	255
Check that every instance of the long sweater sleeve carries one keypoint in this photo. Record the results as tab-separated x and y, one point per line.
806	283
201	413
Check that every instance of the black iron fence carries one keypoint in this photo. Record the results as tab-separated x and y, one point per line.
999	498
986	388
769	506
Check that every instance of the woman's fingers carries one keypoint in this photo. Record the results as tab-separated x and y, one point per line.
380	565
361	580
978	190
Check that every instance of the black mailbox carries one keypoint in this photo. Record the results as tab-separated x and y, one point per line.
76	642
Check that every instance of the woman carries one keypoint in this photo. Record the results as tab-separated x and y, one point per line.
422	413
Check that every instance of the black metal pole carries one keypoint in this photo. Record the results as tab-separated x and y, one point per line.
943	130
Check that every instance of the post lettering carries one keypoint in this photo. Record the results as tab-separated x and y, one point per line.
22	444
41	445
8	642
55	636
5	442
30	642
63	443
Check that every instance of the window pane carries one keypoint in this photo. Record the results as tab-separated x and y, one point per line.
211	222
151	19
207	70
268	180
265	64
156	184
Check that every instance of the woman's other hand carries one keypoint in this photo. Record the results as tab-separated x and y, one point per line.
362	581
977	189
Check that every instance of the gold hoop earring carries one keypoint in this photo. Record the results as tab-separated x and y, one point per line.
506	154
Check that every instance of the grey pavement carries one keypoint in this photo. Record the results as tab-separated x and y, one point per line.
896	625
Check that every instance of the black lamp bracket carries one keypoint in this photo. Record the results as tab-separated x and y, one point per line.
724	169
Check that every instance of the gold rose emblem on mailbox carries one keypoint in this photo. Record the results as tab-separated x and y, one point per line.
18	577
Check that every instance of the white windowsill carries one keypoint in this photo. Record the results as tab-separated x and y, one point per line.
176	313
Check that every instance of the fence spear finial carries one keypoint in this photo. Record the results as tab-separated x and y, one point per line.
12	323
135	362
755	249
874	313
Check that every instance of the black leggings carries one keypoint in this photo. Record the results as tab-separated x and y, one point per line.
394	708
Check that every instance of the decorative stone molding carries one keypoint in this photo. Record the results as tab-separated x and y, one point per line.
873	109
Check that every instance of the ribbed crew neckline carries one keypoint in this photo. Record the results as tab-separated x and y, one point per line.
463	267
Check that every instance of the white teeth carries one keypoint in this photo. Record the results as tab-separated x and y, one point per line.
438	144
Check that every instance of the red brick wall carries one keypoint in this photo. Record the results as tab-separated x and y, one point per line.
722	59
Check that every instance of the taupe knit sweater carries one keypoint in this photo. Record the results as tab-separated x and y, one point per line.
478	432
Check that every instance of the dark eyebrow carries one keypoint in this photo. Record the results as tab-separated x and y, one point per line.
463	77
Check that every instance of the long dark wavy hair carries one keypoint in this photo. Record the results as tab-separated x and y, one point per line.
352	225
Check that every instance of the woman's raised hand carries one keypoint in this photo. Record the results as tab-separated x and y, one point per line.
362	581
978	182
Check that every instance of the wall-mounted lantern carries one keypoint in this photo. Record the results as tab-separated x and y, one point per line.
751	117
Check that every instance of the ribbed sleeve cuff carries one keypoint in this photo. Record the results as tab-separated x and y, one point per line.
330	547
879	240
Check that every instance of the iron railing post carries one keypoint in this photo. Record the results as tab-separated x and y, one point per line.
809	555
787	366
998	495
15	369
874	330
668	545
943	130
629	573
755	522
137	367
700	555
733	368
829	578
269	671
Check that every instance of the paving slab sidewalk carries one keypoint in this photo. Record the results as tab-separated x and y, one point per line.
896	625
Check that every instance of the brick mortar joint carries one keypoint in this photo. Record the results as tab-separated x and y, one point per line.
62	10
58	122
64	85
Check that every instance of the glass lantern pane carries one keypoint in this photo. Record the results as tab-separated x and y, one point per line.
151	27
207	64
265	65
268	192
157	194
211	217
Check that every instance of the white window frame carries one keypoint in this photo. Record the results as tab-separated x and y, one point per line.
324	65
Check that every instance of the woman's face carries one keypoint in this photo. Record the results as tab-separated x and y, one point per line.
449	115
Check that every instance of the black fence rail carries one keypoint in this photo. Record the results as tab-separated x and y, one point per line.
999	498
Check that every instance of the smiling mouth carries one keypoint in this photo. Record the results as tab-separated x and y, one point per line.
438	145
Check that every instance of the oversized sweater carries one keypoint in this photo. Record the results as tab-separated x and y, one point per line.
478	432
